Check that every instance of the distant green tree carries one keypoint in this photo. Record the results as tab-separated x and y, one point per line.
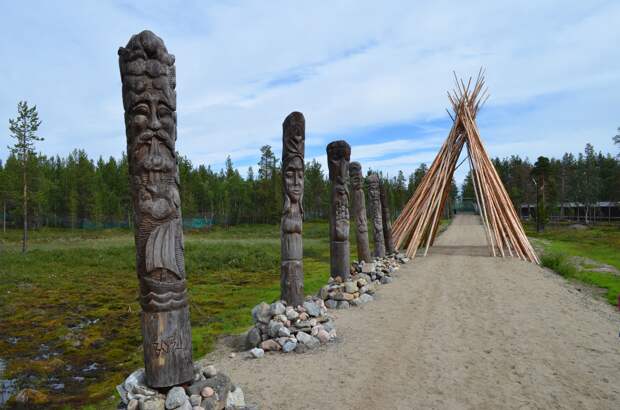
268	184
3	195
400	197
315	191
467	189
416	178
617	139
451	200
24	130
540	173
566	181
590	180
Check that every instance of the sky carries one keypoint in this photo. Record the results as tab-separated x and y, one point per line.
372	73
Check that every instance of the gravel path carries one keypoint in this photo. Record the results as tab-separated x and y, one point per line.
453	331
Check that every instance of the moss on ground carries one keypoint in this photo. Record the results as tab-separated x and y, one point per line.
69	311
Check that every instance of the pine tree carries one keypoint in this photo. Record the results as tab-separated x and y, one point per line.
24	129
540	174
3	196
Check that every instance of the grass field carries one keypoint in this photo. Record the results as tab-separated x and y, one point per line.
600	244
69	313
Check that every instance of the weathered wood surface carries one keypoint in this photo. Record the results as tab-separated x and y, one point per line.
374	195
417	224
291	266
338	157
387	223
149	99
359	211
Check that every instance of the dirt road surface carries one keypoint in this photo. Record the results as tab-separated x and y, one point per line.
453	331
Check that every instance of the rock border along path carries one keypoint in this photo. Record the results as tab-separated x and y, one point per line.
452	331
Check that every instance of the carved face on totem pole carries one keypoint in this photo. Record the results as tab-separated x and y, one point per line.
338	156
355	172
357	185
373	187
293	159
149	99
291	267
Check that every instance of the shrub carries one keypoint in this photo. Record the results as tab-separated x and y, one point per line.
559	263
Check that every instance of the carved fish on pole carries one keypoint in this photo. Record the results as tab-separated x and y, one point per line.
149	99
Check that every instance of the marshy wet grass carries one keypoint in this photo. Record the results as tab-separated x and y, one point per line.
69	316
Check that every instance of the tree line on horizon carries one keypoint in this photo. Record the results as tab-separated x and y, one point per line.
79	192
585	178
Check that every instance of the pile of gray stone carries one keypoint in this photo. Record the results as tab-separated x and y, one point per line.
360	288
210	390
282	328
380	267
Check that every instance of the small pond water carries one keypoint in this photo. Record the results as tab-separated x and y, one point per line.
7	386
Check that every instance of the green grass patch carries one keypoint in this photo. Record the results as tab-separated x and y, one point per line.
599	243
71	301
559	263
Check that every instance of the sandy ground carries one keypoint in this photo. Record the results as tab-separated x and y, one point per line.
453	331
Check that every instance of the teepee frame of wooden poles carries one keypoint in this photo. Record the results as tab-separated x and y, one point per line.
417	224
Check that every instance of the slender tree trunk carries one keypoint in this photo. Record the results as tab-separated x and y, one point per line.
562	198
544	205
4	217
25	237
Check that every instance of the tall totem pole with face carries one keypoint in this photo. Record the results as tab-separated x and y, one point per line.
291	267
387	223
375	212
359	211
149	99
338	156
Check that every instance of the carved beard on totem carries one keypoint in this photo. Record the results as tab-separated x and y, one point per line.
152	123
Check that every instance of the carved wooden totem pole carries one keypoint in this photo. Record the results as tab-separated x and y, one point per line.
149	99
387	223
359	211
291	266
375	212
338	156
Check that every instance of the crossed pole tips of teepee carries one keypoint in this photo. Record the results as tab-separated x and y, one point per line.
417	224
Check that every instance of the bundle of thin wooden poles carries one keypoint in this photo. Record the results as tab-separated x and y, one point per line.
417	224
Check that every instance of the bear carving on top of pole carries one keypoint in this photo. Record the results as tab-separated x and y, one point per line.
149	99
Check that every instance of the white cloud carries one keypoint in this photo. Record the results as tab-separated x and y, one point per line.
242	66
373	151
